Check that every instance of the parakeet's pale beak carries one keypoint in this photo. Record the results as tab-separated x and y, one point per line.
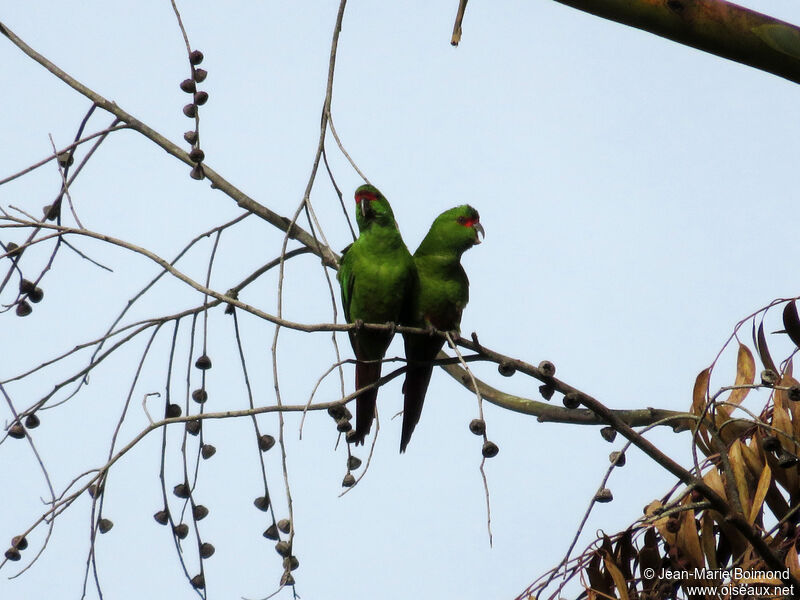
478	229
363	205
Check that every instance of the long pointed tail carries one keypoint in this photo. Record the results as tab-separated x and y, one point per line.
414	388
365	403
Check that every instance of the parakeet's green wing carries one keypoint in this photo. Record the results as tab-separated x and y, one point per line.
346	281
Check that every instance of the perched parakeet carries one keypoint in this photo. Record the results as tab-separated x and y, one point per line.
378	279
442	294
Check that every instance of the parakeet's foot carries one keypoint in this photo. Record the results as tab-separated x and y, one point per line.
430	329
392	327
359	324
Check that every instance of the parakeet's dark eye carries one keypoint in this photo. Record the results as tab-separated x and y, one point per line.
462	220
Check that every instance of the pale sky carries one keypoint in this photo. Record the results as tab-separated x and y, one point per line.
639	199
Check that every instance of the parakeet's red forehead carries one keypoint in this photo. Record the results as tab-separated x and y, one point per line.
365	195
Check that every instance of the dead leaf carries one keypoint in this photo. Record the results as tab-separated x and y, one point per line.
708	540
616	575
652	510
688	540
699	395
745	374
761	493
700	391
793	564
740	475
598	581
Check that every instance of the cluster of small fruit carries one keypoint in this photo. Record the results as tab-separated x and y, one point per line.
192	110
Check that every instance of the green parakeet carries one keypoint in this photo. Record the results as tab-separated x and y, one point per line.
378	279
442	294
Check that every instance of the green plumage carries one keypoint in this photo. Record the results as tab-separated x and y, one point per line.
442	294
378	279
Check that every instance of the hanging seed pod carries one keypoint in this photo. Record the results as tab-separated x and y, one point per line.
197	172
32	421
36	295
340	412
261	503
195	57
51	211
193	427
506	369
65	159
198	581
203	363
12	249
181	531
207	550
336	412
283	548
547	391
771	443
673	525
199	395
207	451
161	517
188	86
769	377
190	137
603	496
23	309
265	442
190	110
291	563
182	490
343	426
353	463
200	75
572	400
13	554
609	434
348	481
197	155
477	426
16	431
105	525
794	393
271	533
617	459
173	411
284	525
547	368
489	449
19	542
199	512
26	286
200	98
786	460
287	579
